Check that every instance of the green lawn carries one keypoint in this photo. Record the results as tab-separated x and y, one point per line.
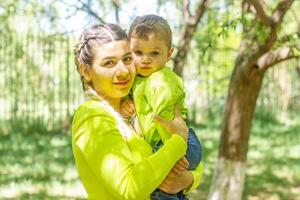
36	164
273	165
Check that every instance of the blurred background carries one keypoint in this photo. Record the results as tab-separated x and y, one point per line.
40	89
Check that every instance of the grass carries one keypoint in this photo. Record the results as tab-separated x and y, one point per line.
273	165
38	164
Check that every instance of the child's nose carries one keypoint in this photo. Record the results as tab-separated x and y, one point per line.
146	59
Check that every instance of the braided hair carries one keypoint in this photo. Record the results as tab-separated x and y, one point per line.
90	39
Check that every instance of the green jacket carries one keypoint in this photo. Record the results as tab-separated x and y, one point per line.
157	94
112	168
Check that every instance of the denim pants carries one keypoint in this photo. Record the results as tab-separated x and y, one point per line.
193	155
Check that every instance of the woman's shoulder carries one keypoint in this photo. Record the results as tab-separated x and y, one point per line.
89	109
92	107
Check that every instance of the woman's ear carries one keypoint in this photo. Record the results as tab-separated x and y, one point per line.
85	72
170	52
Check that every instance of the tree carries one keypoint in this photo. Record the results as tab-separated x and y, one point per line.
87	6
260	49
95	11
189	27
116	4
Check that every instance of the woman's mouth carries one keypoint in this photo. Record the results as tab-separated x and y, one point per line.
122	83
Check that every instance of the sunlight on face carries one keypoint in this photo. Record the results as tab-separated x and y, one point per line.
149	55
113	72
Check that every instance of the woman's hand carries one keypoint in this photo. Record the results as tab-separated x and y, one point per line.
175	126
174	182
180	166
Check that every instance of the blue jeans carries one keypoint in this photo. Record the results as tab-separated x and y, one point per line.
160	195
193	155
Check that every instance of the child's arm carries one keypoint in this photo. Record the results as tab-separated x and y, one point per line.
166	90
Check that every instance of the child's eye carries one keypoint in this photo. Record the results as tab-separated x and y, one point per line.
154	53
127	60
109	63
138	53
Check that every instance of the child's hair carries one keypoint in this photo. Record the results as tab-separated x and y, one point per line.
84	51
142	26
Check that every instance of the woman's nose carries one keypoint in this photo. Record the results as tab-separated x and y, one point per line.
122	70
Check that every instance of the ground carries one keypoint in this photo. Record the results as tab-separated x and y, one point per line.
36	164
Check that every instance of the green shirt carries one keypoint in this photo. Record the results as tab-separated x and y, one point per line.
157	94
114	168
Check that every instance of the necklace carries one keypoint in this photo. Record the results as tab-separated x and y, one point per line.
124	129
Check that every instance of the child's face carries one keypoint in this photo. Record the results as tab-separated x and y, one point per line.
149	55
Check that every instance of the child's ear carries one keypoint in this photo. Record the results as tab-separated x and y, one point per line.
170	52
85	72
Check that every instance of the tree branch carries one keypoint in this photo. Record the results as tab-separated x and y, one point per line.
88	9
194	19
280	10
271	58
71	14
116	4
260	12
277	17
186	10
186	36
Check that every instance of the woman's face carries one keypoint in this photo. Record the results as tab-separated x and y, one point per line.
113	71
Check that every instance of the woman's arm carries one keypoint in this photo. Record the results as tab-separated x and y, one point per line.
111	160
175	182
186	180
197	176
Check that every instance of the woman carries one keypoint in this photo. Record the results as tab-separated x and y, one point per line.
112	160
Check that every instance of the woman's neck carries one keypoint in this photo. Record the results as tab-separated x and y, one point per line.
114	102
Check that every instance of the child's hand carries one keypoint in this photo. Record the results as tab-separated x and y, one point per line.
175	126
127	109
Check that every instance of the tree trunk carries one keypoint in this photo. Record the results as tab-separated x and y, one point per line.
228	180
255	57
191	23
229	176
183	46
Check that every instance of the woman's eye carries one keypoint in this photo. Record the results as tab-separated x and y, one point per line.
127	60
109	63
